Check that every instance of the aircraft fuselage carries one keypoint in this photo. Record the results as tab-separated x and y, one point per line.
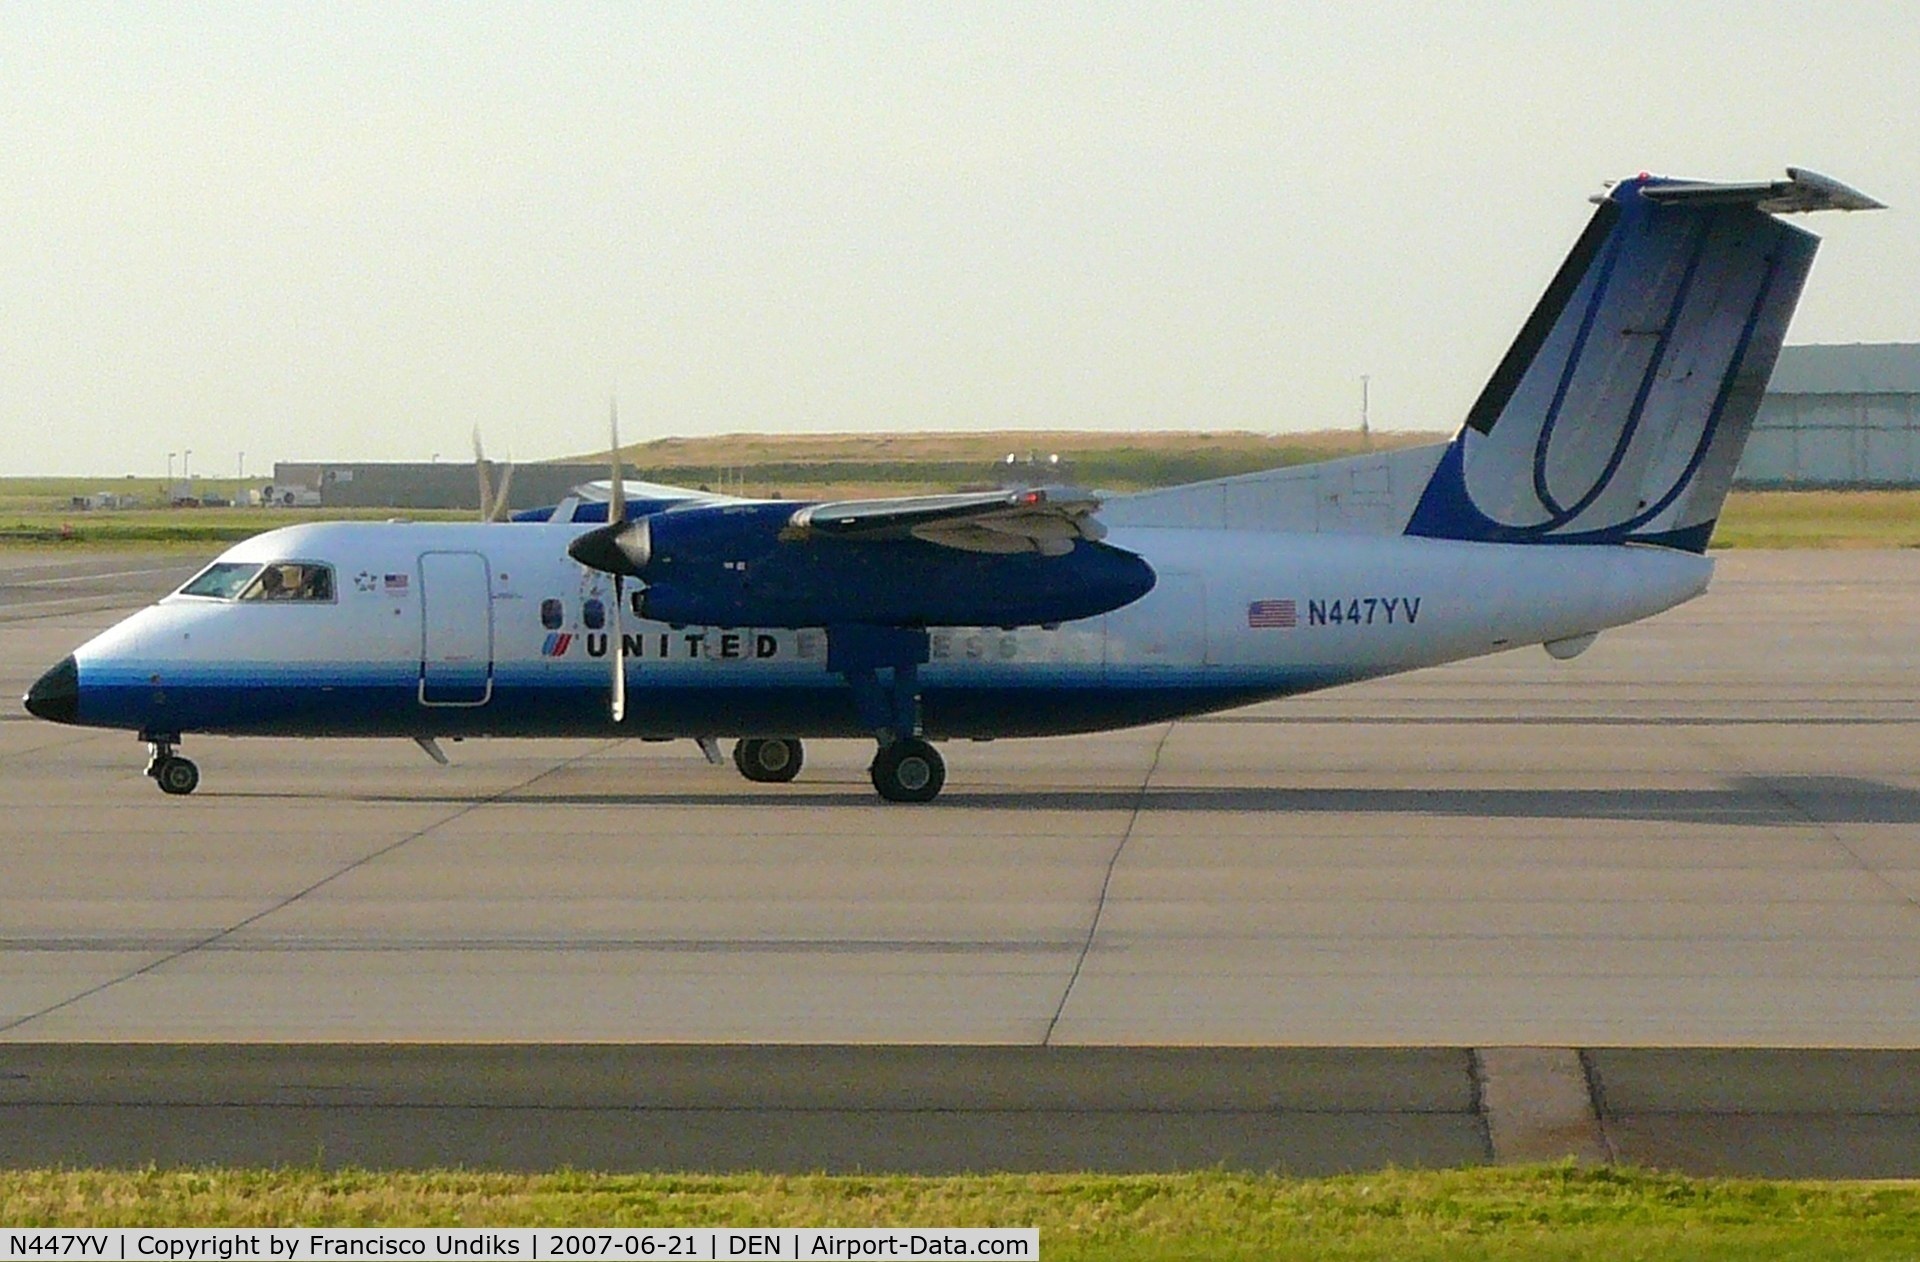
438	629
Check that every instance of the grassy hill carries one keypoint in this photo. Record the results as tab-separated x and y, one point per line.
810	465
37	512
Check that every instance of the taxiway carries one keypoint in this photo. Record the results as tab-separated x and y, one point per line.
1703	833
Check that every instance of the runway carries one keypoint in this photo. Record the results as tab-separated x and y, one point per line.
1705	832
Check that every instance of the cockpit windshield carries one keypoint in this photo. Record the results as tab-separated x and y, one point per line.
291	580
222	580
249	580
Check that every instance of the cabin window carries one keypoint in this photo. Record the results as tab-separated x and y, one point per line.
552	613
222	580
292	581
594	613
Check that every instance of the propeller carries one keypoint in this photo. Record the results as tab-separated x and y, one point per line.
616	514
492	507
607	550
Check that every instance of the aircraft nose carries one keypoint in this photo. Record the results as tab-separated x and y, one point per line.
56	694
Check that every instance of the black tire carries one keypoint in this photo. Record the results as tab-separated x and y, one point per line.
772	761
909	770
177	776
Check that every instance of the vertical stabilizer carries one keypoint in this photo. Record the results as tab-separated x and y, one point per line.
1621	409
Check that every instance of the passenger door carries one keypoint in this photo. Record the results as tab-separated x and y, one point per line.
456	629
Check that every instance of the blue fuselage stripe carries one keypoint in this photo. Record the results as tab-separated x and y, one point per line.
385	701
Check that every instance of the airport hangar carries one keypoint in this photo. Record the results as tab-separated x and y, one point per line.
1842	416
1838	416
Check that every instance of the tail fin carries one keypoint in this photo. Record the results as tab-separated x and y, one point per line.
1620	411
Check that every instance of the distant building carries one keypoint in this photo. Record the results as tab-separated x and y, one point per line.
1838	416
1833	416
419	484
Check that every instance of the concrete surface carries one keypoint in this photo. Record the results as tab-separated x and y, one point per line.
843	1109
1775	1112
1539	1105
944	1109
1705	832
36	584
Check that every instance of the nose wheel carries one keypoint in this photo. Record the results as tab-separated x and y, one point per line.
773	761
175	775
908	770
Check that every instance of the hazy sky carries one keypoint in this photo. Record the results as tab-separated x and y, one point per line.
321	230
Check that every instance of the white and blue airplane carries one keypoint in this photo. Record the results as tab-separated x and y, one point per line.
1579	495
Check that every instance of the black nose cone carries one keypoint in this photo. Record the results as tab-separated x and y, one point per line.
56	694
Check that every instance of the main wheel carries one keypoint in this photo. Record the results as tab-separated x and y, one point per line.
909	770
177	776
774	761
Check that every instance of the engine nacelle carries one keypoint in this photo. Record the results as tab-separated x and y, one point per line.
738	565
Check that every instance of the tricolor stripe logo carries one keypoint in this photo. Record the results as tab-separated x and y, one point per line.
1272	614
556	644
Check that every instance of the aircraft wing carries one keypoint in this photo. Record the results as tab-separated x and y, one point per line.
1042	519
635	489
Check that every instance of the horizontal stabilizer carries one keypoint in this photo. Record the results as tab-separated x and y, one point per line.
1801	192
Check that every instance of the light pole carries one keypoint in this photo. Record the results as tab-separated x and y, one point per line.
169	473
240	470
186	460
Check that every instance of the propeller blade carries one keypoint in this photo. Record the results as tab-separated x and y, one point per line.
617	629
616	519
480	471
617	506
499	512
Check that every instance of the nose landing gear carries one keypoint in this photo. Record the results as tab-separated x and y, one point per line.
175	775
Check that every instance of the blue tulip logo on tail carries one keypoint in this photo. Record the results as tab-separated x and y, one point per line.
1621	409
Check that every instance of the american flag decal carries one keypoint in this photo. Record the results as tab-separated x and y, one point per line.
1278	614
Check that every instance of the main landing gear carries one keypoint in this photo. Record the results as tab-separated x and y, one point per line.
768	761
882	666
908	769
175	775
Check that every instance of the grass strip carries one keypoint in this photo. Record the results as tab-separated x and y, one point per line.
1751	519
1560	1211
1820	519
182	529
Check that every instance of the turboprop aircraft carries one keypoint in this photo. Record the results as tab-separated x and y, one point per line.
1578	495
